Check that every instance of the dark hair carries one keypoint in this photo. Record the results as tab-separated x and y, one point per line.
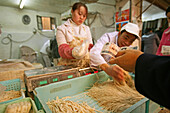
123	31
167	10
147	30
77	5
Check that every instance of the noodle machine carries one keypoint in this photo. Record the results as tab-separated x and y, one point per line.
40	77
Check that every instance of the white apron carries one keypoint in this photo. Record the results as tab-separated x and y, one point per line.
84	62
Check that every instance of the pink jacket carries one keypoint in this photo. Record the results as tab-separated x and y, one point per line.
164	41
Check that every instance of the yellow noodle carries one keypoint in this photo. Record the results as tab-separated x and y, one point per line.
8	95
113	96
67	106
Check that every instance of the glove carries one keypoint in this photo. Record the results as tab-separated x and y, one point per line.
65	51
126	59
114	71
80	51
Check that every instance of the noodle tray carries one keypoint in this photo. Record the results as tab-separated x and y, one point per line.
9	88
76	90
3	107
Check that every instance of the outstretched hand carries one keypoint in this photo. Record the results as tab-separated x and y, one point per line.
126	59
80	51
114	71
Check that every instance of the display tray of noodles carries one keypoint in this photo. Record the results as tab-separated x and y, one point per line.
94	93
24	105
11	90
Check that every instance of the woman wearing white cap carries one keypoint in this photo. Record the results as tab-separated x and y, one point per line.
128	34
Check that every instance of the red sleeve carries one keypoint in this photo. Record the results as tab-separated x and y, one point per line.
65	51
90	46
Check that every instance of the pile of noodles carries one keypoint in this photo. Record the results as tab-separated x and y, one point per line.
114	96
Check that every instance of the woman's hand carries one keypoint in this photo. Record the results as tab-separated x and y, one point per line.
114	71
80	51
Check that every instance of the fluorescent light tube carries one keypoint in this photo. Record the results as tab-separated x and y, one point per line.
22	4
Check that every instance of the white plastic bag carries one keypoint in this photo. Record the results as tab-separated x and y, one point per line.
80	51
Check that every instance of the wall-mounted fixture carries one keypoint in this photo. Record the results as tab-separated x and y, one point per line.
26	19
22	4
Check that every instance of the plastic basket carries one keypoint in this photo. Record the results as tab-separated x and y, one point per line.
33	106
15	84
76	88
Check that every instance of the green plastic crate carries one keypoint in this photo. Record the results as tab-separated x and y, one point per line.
33	106
15	84
76	88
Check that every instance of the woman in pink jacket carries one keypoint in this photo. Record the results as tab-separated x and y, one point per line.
74	38
164	47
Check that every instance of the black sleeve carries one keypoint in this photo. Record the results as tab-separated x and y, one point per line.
152	78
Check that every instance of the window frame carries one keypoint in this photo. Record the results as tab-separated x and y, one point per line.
40	25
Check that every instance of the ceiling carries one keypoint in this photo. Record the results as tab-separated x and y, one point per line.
162	4
52	6
60	6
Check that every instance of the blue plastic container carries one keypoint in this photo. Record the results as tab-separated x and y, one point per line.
77	87
15	84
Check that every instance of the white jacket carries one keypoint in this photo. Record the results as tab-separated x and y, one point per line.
95	57
69	29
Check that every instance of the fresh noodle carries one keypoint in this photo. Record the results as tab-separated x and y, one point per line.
67	106
113	96
8	95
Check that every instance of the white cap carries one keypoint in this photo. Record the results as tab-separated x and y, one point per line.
131	28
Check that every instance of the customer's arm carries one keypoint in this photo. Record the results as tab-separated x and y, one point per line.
152	74
152	78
